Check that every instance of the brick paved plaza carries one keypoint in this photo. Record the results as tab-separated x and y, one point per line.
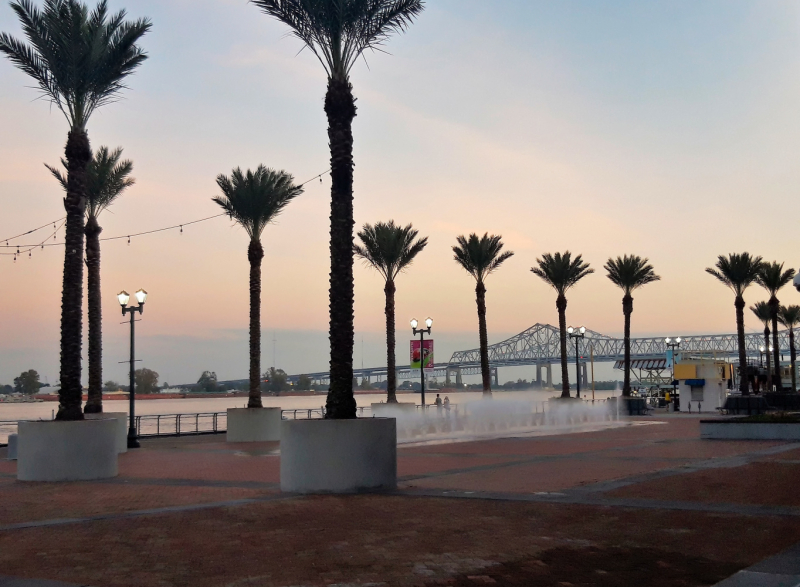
645	504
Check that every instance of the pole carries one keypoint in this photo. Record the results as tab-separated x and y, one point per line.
132	440
591	358
422	366
577	370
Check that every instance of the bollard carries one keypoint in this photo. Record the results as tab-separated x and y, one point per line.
12	447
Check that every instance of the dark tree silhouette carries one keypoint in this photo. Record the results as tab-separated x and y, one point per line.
772	277
338	32
629	273
79	60
738	271
106	178
481	256
389	249
253	200
562	272
789	316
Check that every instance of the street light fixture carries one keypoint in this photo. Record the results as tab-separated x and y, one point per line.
673	345
422	332
124	298
581	333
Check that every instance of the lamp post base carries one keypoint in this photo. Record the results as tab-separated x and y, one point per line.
133	442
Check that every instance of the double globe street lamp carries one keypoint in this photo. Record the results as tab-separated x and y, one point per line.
422	332
577	334
124	298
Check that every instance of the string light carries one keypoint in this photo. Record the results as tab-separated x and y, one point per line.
42	245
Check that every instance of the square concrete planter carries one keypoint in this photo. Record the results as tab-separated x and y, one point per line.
733	430
122	427
338	456
53	450
254	425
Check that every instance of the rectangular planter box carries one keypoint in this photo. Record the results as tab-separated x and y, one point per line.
733	430
254	425
338	456
52	450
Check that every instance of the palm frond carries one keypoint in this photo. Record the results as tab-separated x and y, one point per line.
78	59
339	31
561	271
630	272
762	311
389	248
789	316
255	198
480	256
738	271
772	277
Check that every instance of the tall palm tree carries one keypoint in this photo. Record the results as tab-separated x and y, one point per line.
763	312
480	257
106	178
338	32
79	59
629	273
772	277
253	200
738	271
389	249
562	272
790	317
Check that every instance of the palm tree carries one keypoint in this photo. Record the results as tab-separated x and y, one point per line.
772	277
106	178
389	249
338	32
253	200
763	312
790	317
738	271
561	272
80	60
480	257
629	273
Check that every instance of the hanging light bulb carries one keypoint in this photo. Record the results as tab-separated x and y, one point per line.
129	240
181	228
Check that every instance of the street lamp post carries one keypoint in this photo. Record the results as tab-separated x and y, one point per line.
421	332
124	297
581	333
673	346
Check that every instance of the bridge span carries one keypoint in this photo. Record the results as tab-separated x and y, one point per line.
539	346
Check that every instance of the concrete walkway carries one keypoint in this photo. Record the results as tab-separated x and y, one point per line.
647	504
781	570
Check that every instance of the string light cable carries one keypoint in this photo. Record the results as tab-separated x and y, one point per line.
28	248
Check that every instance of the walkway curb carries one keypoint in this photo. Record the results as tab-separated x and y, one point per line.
781	570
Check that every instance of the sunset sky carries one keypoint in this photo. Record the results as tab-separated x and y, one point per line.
667	129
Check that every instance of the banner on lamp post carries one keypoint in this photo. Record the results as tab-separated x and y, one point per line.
422	354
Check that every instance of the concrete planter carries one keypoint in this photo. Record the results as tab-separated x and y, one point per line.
67	451
122	427
254	424
338	456
733	430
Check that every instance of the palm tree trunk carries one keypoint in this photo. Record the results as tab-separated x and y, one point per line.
340	107
391	371
486	375
769	358
255	253
774	306
793	358
94	401
78	153
561	305
744	387
627	310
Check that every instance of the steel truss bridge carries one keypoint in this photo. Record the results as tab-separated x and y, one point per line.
540	346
